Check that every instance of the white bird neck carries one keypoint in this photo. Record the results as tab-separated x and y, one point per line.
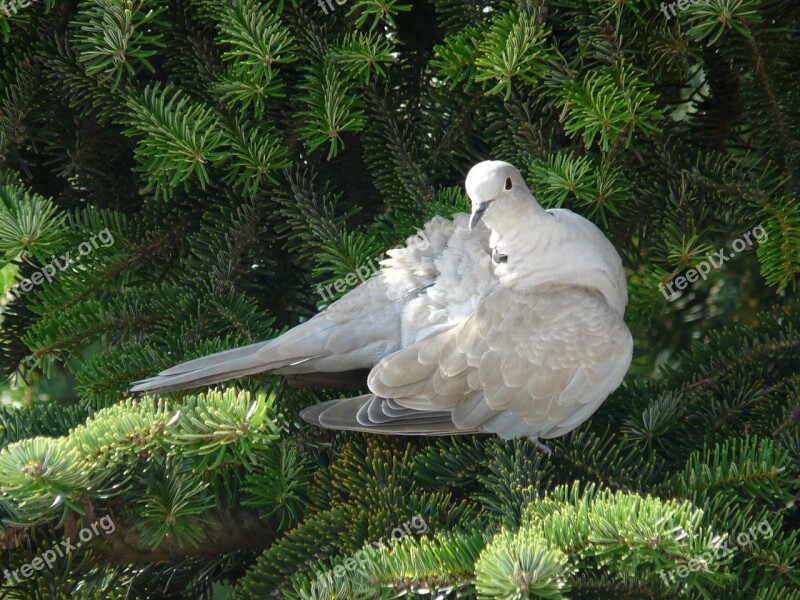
505	215
544	249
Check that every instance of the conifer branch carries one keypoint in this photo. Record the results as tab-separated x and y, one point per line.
224	530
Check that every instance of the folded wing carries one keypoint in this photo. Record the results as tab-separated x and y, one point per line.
537	364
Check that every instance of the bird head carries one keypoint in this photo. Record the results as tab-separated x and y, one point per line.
493	185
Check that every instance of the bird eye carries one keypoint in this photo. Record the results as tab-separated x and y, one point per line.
508	183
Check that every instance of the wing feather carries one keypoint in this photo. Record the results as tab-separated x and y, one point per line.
548	359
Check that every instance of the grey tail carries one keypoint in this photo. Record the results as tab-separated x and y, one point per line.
295	352
207	370
372	414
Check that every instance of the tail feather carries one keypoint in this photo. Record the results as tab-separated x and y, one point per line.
320	345
289	352
213	359
215	368
192	379
359	414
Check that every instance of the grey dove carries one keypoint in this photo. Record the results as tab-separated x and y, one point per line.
506	321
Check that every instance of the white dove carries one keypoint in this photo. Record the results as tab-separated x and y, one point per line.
508	321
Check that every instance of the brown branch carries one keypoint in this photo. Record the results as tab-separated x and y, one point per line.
781	128
162	242
759	351
233	528
726	102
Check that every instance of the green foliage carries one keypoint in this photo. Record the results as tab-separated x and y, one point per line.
258	44
281	484
512	49
38	476
219	430
519	565
116	39
609	105
361	55
254	158
173	506
712	18
182	135
562	176
246	156
29	224
377	10
332	108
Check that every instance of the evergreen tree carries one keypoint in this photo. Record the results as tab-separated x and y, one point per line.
184	177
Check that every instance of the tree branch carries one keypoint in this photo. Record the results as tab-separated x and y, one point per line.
234	528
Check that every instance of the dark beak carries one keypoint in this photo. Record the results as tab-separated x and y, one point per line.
476	216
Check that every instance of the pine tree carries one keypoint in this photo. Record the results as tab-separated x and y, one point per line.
179	178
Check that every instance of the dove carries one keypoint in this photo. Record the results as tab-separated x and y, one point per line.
506	321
